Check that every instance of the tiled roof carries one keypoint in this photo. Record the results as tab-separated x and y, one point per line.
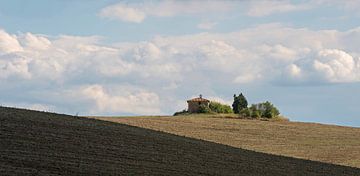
198	100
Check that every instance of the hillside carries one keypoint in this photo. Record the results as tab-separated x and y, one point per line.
37	143
326	143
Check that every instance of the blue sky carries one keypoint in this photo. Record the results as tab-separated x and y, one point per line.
147	57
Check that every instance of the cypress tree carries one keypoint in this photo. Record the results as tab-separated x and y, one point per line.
235	104
243	102
239	103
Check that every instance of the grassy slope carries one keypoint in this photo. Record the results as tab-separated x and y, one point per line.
326	143
36	143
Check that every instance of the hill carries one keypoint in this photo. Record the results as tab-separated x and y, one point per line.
38	143
325	143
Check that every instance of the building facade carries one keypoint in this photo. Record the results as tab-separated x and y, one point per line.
195	103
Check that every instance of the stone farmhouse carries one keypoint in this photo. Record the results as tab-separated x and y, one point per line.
195	103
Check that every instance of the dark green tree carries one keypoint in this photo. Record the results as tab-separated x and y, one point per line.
243	102
235	104
239	103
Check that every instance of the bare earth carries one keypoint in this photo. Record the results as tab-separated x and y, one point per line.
326	143
40	143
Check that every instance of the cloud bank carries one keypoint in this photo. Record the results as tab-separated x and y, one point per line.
81	74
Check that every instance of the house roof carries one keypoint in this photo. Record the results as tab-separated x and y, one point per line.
199	99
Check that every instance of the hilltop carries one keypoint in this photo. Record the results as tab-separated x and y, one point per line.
325	143
38	143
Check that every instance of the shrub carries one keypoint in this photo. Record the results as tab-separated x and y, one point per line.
245	112
270	111
265	110
256	114
227	109
204	109
220	108
183	112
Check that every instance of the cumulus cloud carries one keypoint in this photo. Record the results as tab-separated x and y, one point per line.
146	77
14	67
35	42
336	66
294	71
137	12
328	65
70	62
280	52
146	52
140	102
8	43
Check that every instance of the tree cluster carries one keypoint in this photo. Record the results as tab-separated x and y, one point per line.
261	110
220	108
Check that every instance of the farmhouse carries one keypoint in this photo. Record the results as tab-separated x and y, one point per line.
195	103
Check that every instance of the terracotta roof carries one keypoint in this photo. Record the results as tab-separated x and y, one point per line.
198	100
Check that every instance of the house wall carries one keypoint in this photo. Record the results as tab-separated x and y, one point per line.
193	106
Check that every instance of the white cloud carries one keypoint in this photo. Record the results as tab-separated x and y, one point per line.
35	42
140	102
8	43
16	67
123	12
336	66
327	65
269	7
206	25
294	71
137	12
146	52
149	77
280	52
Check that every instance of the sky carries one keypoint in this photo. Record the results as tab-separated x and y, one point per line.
112	57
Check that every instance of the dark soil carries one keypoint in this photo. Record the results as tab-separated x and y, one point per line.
38	143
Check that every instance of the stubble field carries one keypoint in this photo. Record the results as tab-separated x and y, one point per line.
318	142
38	143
